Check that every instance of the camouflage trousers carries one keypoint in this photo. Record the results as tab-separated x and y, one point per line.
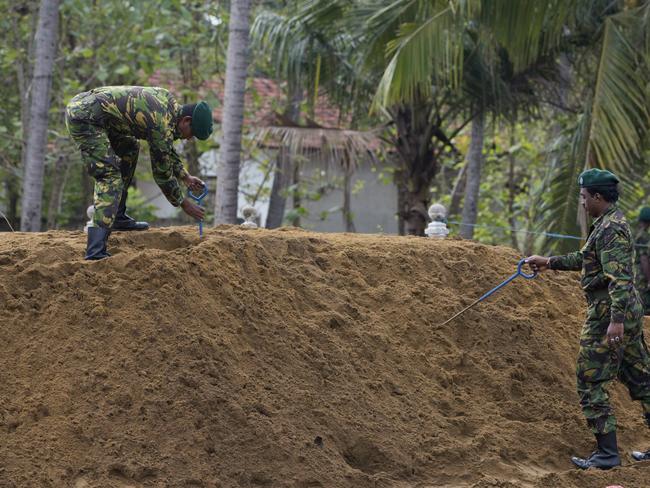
110	157
599	365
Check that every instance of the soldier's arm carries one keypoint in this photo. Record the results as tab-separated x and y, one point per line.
179	170
165	164
567	262
616	260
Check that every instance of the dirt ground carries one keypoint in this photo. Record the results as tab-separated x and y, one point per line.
255	358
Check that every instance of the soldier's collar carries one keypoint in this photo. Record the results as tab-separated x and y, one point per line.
612	208
177	117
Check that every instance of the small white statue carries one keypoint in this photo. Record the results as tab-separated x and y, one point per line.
90	212
250	217
438	226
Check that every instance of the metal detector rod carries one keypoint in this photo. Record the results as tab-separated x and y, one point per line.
198	199
496	288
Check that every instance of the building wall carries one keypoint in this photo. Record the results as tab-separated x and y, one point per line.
374	202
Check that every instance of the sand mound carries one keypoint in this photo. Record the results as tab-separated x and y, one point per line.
289	359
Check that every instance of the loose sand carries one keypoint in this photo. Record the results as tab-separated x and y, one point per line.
286	358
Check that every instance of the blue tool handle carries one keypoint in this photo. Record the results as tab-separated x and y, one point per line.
518	273
521	273
197	199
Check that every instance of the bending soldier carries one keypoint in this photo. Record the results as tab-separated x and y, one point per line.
106	124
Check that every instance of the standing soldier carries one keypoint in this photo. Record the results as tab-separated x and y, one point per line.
642	259
611	343
106	124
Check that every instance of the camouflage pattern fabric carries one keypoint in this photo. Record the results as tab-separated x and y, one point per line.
606	261
106	124
642	248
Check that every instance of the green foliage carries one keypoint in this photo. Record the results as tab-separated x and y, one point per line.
100	43
139	208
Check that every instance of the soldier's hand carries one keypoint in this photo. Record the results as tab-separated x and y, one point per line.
537	263
193	183
615	334
192	209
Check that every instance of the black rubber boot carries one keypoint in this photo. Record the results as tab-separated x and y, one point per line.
123	221
96	247
643	455
605	457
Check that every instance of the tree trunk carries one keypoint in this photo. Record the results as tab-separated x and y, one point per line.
417	164
233	114
348	217
458	191
398	177
281	180
13	195
295	196
46	45
59	175
474	163
512	194
282	174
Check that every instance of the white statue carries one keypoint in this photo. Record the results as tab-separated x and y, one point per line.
90	212
250	217
438	226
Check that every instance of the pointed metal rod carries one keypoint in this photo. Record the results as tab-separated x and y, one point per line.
498	287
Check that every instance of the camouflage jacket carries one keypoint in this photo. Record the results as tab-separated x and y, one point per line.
606	261
148	113
641	248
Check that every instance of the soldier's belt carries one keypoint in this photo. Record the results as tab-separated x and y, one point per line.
595	295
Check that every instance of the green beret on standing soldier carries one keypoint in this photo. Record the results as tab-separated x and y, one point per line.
611	342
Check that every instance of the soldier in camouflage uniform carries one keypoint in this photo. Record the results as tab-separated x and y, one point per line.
611	343
106	124
642	258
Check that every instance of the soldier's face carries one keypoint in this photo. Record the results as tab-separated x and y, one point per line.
591	203
185	127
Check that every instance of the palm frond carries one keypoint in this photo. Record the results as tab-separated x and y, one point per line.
619	115
561	213
527	29
333	146
420	51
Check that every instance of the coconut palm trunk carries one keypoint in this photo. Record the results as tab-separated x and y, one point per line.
417	165
281	181
233	115
474	165
46	48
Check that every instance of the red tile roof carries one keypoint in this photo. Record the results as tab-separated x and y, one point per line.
264	99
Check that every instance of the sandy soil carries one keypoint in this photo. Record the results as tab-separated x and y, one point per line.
256	358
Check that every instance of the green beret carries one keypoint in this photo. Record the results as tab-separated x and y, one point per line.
202	121
644	214
596	177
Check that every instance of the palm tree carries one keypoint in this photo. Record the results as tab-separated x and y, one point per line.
233	115
424	44
46	47
434	75
311	61
611	131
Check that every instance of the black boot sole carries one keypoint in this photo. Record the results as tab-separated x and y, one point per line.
129	229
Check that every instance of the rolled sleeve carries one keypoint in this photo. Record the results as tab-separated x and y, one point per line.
567	262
